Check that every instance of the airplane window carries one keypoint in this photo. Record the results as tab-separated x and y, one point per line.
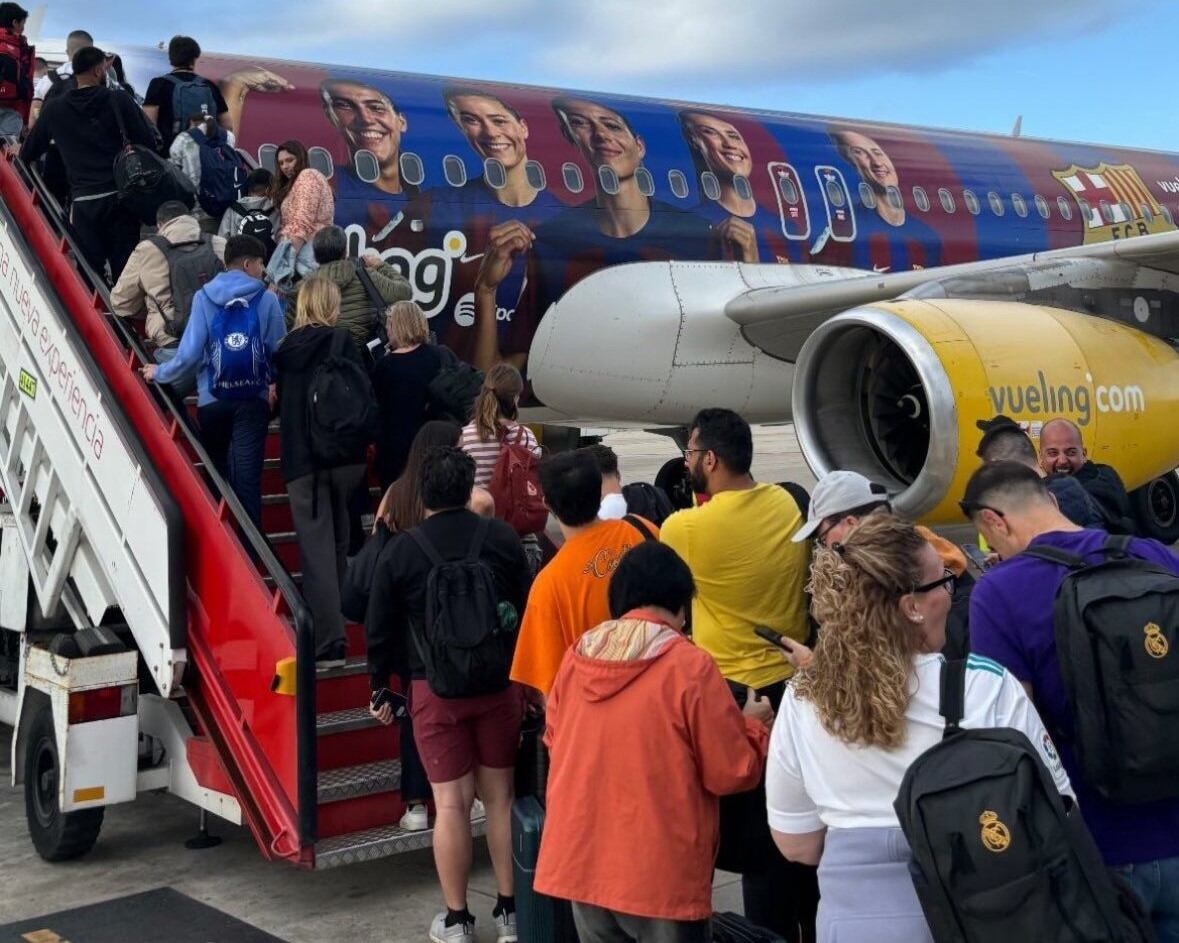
867	197
248	158
894	198
454	170
1019	205
1042	207
1147	214
572	176
788	190
710	184
534	174
1106	211
741	185
320	159
834	193
266	156
412	171
996	203
608	179
365	164
947	199
921	198
678	183
1086	209
494	173
1125	207
1065	210
971	202
1167	215
645	181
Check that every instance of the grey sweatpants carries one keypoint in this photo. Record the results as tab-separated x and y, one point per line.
323	544
598	925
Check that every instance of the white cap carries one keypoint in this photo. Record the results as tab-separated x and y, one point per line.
837	493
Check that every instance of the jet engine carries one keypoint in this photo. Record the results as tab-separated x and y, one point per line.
895	391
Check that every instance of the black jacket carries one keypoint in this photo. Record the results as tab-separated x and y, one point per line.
297	356
82	124
1105	487
398	593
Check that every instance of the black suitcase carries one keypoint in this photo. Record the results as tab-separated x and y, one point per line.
729	927
539	918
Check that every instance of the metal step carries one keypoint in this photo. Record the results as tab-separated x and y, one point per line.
283	537
355	718
374	843
356	665
349	782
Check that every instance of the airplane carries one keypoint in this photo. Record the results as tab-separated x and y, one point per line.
884	287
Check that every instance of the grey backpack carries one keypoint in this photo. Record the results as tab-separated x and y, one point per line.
190	266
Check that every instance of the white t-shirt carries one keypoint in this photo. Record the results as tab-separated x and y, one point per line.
814	779
613	508
45	83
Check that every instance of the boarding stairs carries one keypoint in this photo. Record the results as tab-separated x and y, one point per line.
212	604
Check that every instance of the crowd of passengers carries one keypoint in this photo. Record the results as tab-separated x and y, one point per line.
620	621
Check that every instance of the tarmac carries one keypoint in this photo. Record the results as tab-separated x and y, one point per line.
141	846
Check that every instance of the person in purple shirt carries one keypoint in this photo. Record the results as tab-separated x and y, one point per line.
1011	622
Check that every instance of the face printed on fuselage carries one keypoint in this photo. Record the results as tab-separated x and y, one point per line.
366	118
869	158
721	145
491	129
604	138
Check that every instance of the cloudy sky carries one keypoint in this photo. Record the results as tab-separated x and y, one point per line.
1093	70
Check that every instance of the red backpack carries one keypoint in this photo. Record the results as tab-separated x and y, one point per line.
515	485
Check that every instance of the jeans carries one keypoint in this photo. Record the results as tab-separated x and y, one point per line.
1157	885
233	432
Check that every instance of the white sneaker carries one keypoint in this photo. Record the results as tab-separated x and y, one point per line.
416	818
478	814
505	928
459	933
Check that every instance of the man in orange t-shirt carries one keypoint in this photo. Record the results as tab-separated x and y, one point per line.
569	596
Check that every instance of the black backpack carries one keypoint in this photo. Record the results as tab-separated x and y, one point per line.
341	407
144	179
191	265
453	390
998	853
1117	639
256	223
645	500
468	637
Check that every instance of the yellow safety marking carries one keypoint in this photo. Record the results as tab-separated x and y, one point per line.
90	794
284	677
43	936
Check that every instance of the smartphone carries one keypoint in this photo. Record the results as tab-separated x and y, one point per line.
975	555
777	639
397	701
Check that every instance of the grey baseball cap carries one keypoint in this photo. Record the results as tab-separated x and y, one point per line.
837	493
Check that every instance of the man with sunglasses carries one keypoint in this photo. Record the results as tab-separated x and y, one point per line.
843	498
1012	622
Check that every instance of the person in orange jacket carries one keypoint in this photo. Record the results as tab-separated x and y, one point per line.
644	736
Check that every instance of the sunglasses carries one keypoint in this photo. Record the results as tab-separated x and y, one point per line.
948	580
971	508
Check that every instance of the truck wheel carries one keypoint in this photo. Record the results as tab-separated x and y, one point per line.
57	835
1156	507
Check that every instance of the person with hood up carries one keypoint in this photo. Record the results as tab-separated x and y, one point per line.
639	717
319	496
233	431
256	204
84	124
357	312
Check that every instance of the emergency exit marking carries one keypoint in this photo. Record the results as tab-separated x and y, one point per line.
28	386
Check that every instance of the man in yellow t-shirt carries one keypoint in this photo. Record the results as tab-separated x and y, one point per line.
748	572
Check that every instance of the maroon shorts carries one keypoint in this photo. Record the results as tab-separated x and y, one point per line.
455	735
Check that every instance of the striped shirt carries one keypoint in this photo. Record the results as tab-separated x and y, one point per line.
486	454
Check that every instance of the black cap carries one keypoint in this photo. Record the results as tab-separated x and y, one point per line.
997	426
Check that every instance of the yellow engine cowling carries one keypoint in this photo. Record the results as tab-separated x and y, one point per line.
895	390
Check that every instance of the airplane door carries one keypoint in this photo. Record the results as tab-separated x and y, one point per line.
796	221
841	221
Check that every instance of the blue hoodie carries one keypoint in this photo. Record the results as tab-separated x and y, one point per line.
192	353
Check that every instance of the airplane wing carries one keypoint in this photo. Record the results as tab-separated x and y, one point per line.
777	313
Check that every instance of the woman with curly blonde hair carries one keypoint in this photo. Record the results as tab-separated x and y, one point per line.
861	710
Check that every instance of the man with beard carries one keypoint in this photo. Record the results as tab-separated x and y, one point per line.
499	137
744	232
890	239
748	573
619	224
1062	452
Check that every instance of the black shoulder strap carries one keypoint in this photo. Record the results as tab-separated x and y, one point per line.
477	541
638	525
240	210
119	120
953	695
1056	555
1117	545
370	289
426	546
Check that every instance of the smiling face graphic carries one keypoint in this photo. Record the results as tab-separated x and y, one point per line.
366	118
